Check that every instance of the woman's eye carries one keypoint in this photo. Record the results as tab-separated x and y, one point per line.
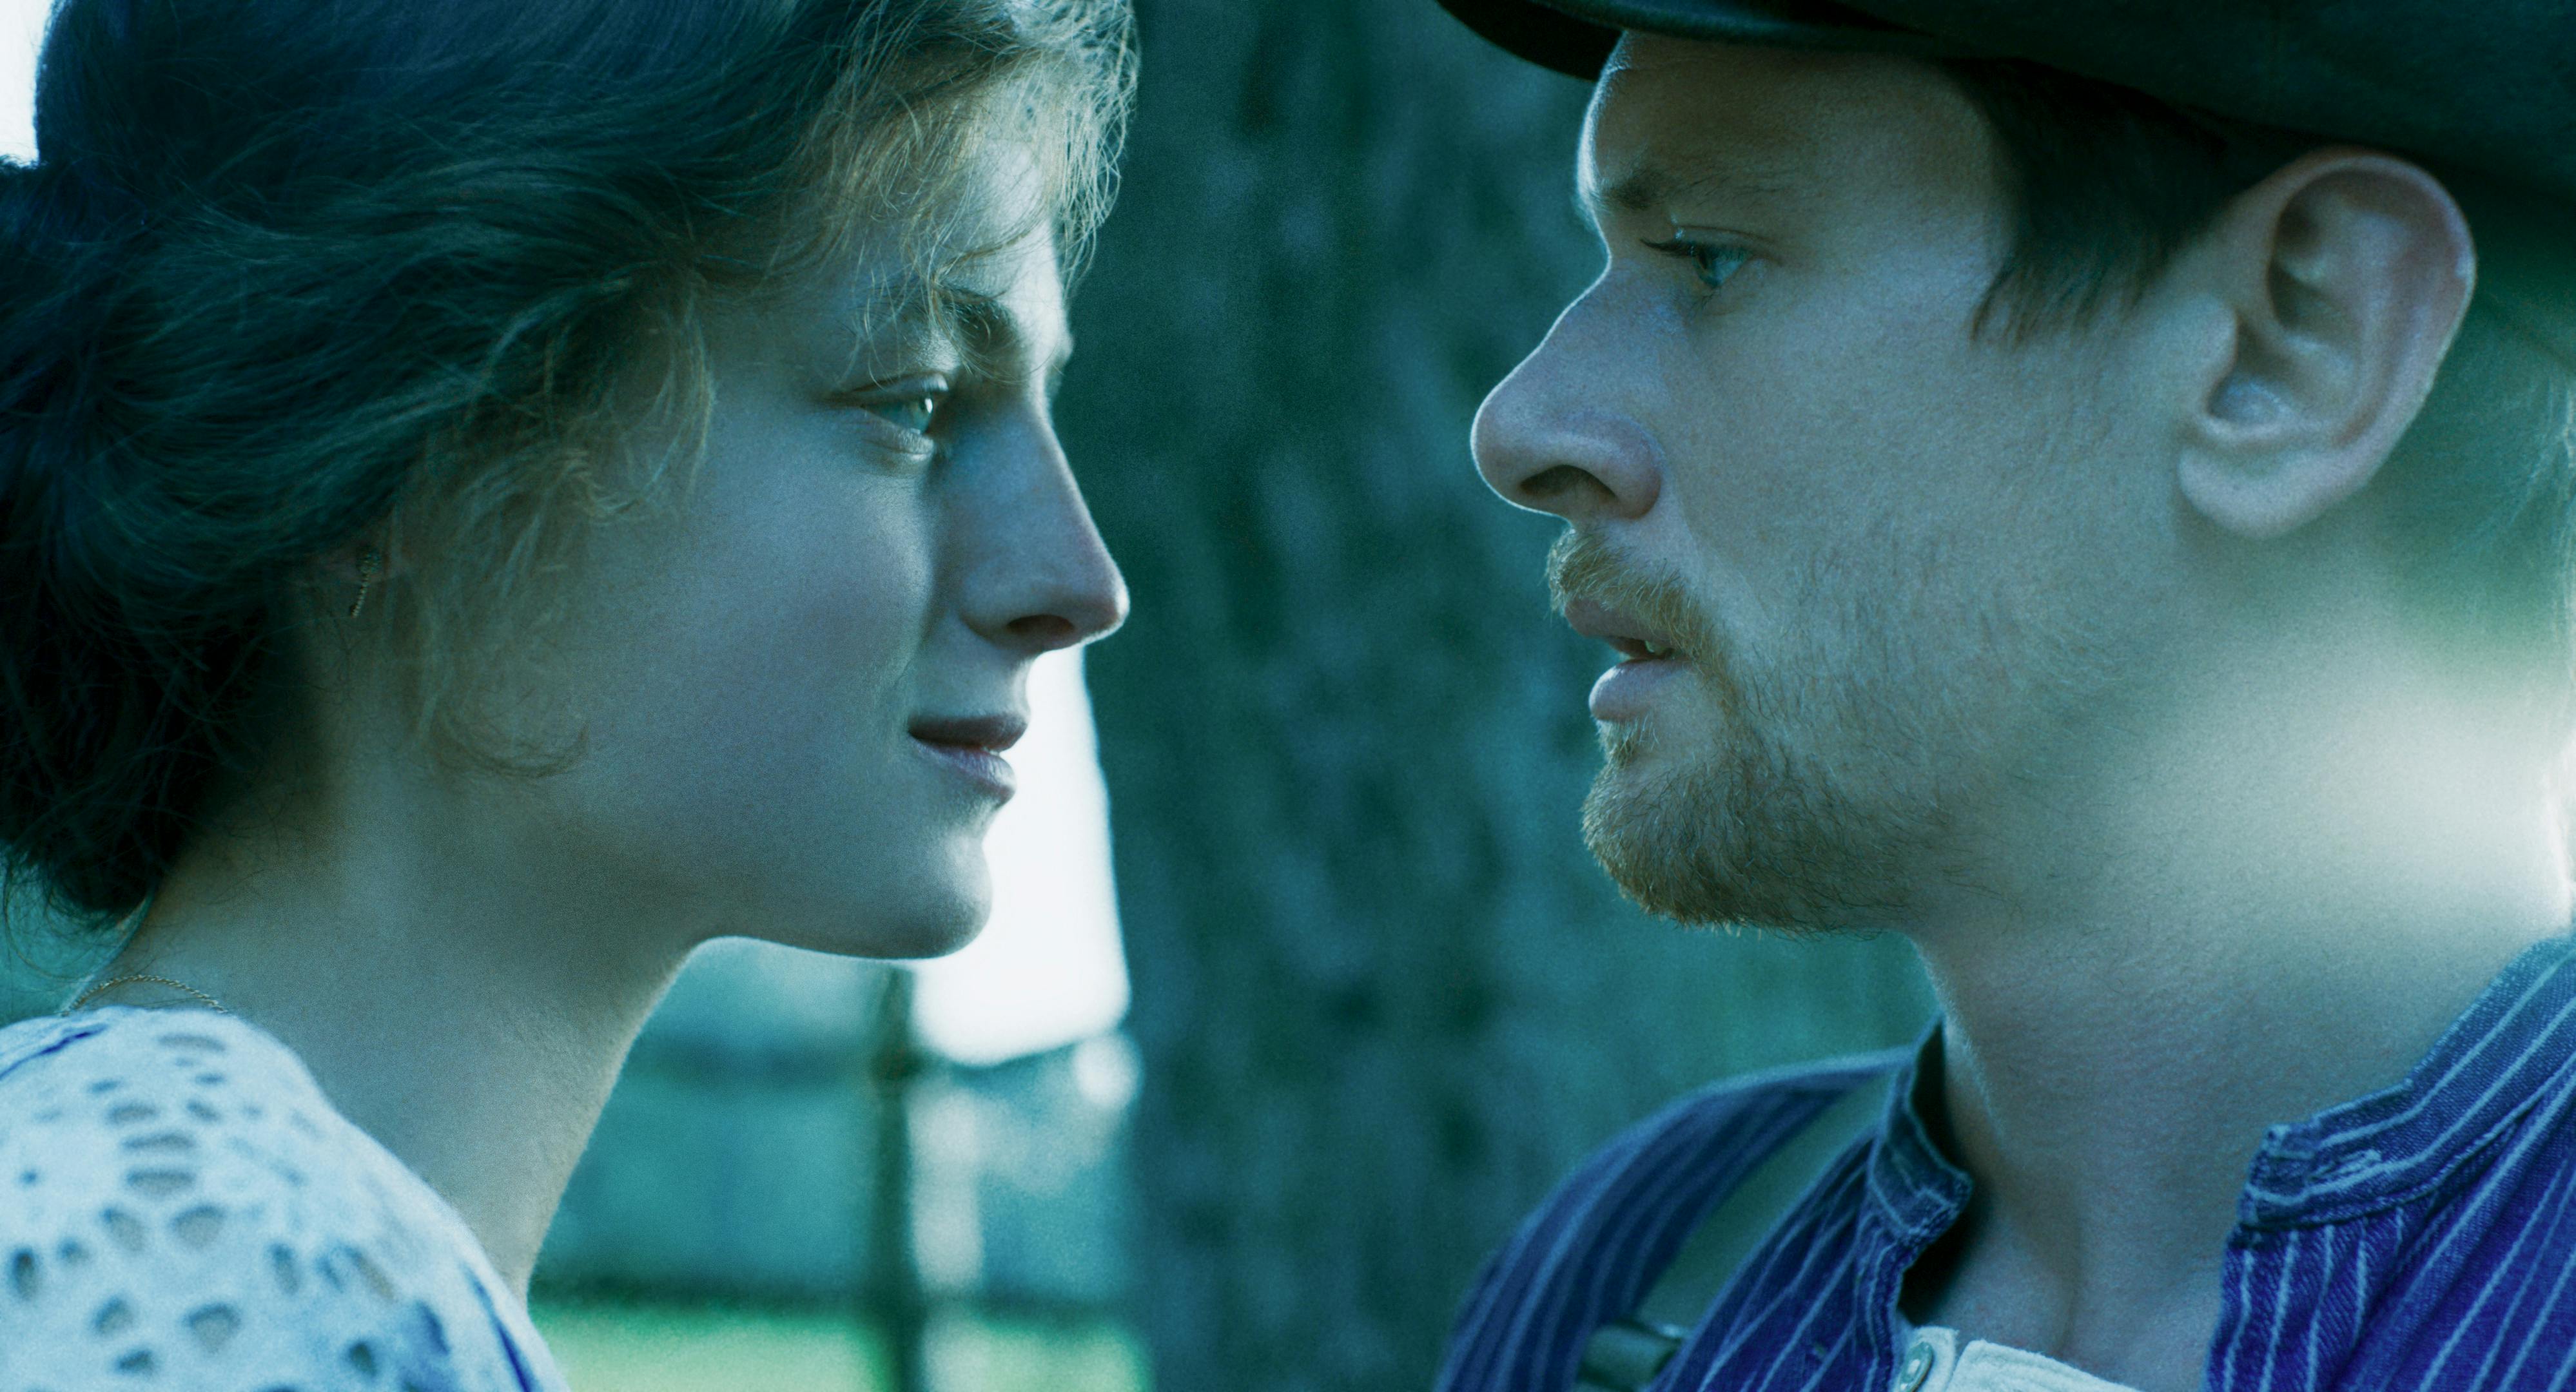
1714	262
913	412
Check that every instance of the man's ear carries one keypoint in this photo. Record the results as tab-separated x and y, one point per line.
2330	292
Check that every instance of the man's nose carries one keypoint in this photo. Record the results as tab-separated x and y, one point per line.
1548	437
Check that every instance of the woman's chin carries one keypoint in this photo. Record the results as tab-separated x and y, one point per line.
932	920
914	942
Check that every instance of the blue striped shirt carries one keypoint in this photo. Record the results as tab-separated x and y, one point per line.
2420	1237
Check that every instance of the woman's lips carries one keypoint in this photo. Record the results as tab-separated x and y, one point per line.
971	747
990	773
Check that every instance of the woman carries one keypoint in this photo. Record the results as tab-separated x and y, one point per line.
492	495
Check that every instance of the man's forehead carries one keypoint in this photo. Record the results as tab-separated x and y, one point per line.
1679	120
1671	118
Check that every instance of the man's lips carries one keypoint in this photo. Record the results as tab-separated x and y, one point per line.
1631	637
1626	691
971	746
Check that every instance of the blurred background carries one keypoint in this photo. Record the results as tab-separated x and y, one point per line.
1300	989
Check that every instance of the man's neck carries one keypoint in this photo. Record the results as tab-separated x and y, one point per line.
2259	912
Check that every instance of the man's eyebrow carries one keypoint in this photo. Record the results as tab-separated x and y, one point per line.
1648	187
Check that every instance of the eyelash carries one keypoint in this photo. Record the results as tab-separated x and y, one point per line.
1704	257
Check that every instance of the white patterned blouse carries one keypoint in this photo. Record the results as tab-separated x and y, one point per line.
180	1207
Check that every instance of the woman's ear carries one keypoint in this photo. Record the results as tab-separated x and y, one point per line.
2329	294
352	576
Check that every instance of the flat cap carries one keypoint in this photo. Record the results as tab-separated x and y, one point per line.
2488	85
2485	88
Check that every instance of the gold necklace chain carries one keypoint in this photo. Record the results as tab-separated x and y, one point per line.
125	937
85	996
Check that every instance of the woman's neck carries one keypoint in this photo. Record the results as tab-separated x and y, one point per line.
466	1003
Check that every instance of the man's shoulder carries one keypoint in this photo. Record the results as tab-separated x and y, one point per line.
1732	1123
178	1199
1588	1252
1693	1152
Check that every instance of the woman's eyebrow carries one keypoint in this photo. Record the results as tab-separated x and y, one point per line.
982	323
1055	368
990	334
965	319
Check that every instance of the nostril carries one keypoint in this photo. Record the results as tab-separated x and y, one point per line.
1552	484
1049	630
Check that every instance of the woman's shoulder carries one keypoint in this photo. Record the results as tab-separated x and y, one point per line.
177	1197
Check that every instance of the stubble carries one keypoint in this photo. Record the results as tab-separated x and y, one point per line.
1758	826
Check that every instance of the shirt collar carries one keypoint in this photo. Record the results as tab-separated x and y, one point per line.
1917	1190
2513	1049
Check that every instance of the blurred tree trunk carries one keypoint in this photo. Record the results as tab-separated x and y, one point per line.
1384	997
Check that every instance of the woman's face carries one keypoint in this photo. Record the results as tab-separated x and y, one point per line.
795	684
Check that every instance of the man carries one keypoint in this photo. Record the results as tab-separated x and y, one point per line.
2087	487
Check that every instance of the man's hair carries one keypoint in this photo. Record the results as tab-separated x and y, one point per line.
2478	501
287	275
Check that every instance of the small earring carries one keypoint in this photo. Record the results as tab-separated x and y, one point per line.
368	559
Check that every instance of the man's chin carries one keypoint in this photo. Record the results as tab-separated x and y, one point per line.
1648	829
1709	845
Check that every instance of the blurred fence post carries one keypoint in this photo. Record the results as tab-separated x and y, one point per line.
894	1299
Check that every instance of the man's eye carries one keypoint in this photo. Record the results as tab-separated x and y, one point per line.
1713	261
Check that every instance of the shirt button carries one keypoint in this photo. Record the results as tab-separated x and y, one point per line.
1917	1366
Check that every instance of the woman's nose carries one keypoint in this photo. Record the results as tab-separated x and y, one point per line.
1042	577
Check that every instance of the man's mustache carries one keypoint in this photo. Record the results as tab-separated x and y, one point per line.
1582	566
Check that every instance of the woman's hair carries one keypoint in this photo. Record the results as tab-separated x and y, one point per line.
291	277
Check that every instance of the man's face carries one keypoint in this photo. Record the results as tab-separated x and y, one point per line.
1864	561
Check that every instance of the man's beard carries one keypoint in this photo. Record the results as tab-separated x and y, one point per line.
1751	829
